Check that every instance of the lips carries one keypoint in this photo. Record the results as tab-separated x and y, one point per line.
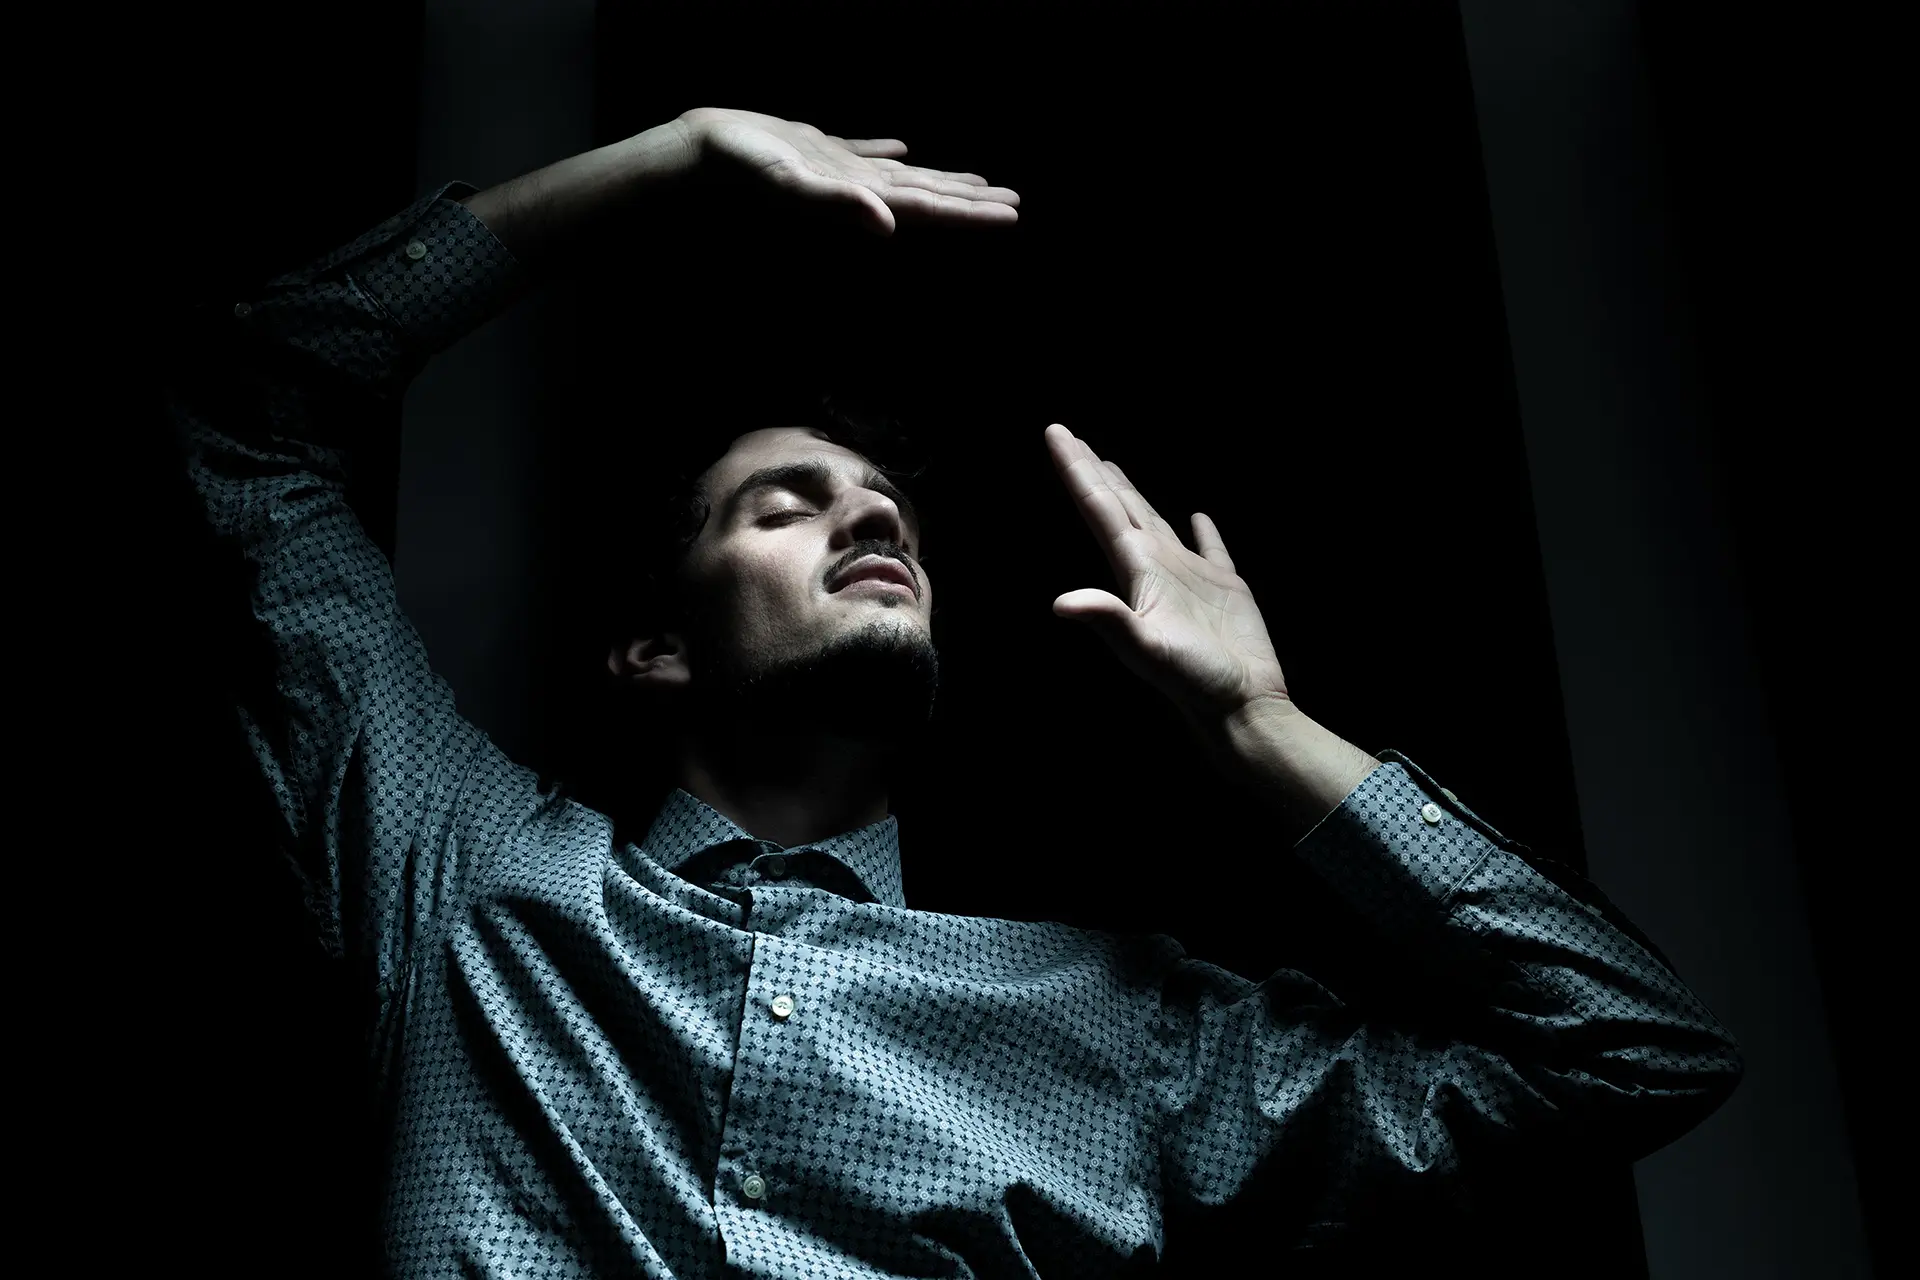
880	567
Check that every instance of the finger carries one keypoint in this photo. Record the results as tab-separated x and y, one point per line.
1110	476
1092	493
1139	511
948	185
917	202
873	147
1144	516
897	172
945	187
1207	541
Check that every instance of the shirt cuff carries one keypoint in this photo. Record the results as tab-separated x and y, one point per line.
434	269
1399	846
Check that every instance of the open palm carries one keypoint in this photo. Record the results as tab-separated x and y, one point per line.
865	174
1185	621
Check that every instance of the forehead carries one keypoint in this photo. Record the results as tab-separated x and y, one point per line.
772	446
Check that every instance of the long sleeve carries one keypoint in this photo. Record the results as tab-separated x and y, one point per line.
1540	1020
356	738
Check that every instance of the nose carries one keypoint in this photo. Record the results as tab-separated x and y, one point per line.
871	517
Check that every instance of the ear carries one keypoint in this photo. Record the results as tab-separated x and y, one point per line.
653	662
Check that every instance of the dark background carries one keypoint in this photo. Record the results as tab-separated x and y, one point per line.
1779	144
1258	271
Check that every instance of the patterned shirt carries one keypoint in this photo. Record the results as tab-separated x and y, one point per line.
704	1054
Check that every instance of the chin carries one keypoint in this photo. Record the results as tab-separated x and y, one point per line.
876	680
886	601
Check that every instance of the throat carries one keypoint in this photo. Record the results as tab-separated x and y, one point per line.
790	789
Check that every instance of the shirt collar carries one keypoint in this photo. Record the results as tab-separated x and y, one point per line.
686	827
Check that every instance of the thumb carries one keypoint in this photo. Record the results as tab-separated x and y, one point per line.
1113	620
874	214
835	196
1102	609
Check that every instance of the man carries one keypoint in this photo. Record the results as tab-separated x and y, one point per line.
729	1046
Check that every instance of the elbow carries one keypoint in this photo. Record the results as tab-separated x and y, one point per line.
1728	1068
1704	1073
1633	1102
1684	1102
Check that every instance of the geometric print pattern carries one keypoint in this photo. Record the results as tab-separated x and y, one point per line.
704	1055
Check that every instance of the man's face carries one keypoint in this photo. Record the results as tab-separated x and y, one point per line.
810	605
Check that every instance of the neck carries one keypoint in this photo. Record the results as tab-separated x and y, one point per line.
789	790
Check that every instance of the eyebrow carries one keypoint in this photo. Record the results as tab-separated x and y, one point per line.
799	476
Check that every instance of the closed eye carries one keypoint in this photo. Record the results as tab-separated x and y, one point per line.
801	513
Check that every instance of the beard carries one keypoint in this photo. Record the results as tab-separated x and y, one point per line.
876	684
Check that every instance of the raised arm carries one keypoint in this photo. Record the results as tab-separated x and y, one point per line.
1531	1018
373	773
272	398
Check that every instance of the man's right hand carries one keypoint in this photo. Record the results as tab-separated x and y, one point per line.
863	175
543	214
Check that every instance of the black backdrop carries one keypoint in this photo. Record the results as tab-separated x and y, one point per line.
1293	326
1256	270
1779	132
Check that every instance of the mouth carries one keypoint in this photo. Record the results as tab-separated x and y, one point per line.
878	571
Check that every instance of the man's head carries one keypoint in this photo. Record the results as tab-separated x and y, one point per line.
787	594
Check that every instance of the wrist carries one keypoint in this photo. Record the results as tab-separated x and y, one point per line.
1293	765
662	154
544	215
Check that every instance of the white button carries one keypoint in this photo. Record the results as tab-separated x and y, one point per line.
1431	812
774	865
783	1007
242	310
754	1186
1449	795
416	250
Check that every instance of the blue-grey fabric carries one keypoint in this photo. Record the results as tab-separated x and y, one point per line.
702	1054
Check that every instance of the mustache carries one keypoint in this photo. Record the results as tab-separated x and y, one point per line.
875	547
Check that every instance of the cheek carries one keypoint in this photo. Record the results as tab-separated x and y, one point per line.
775	595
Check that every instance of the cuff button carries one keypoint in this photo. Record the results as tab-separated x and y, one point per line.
1430	812
416	250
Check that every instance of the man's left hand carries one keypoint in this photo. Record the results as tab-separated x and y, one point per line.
1185	621
1188	625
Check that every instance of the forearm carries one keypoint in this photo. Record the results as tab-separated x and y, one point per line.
541	215
1296	768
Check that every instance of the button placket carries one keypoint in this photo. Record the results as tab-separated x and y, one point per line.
755	1103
